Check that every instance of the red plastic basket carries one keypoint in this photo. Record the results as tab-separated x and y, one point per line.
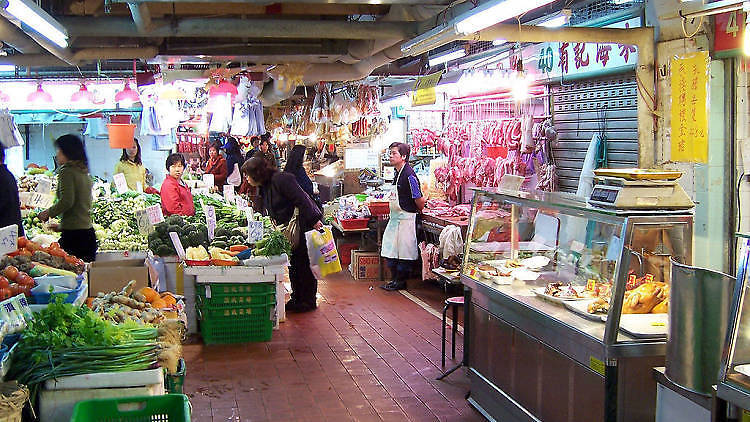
379	208
354	224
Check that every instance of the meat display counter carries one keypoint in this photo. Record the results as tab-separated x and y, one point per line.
567	306
733	389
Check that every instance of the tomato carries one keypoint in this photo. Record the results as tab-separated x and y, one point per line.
31	246
11	272
5	293
4	283
26	290
57	252
14	289
25	280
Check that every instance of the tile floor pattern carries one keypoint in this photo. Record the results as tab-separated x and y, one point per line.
364	355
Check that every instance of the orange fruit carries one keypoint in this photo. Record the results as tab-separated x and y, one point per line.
168	299
150	294
159	304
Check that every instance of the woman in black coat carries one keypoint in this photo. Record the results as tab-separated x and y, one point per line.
280	196
10	212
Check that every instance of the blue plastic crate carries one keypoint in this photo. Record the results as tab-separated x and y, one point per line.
70	296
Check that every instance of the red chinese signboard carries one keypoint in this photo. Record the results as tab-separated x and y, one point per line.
729	28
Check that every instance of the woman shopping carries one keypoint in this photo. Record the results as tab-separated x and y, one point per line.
73	199
176	197
234	161
282	196
294	165
216	165
131	166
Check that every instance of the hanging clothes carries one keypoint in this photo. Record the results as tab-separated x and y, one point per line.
240	120
220	107
96	128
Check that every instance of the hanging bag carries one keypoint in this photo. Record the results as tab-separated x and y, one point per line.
235	179
291	229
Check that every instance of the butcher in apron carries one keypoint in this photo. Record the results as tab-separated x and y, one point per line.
399	246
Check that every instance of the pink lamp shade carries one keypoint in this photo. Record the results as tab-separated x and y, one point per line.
39	96
223	88
127	95
82	94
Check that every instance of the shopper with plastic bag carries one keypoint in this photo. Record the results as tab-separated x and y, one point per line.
321	248
287	204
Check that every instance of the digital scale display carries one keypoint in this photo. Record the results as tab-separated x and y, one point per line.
604	195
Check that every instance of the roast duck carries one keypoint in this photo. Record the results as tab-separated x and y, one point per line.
644	298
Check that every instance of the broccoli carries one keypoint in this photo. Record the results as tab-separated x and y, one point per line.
238	232
222	232
165	250
162	229
219	244
175	220
194	239
174	228
154	245
153	236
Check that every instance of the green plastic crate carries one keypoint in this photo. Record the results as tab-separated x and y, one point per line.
233	289
233	301
264	311
167	408
173	382
236	330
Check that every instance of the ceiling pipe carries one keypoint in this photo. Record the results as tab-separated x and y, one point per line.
141	17
275	91
642	38
32	60
239	28
361	49
345	72
11	35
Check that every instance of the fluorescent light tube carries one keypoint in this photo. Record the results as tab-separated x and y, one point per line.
433	38
499	41
555	22
447	56
492	12
7	68
38	20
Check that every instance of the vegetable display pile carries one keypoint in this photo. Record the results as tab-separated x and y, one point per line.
31	255
273	244
65	340
142	306
190	235
115	223
33	226
14	282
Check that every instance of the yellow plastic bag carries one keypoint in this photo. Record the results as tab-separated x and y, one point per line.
324	258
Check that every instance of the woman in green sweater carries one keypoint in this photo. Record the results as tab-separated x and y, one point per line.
73	203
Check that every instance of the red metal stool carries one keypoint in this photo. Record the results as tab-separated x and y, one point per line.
452	302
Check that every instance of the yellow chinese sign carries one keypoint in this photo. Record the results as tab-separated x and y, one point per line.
424	89
690	108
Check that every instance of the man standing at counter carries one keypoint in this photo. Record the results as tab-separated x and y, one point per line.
400	237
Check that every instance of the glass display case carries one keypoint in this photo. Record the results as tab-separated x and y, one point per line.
734	378
570	300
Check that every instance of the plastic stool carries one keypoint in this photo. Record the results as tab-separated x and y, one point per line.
452	302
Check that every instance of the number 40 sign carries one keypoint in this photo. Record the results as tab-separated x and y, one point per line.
729	33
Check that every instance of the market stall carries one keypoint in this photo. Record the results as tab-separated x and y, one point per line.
568	300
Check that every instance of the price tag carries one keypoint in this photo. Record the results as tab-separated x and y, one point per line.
36	200
155	215
208	179
139	187
229	194
120	183
177	244
591	285
210	220
241	202
144	225
43	185
254	231
8	239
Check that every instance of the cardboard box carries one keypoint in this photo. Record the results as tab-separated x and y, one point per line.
112	276
366	265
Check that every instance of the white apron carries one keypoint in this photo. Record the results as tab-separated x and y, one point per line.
400	236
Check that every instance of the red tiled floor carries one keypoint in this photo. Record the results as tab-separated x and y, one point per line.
364	355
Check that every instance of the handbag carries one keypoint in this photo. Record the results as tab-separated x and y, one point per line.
291	230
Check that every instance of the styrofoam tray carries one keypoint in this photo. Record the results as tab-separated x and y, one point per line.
580	307
107	380
539	291
645	325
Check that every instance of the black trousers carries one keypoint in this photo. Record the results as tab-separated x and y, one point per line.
400	268
79	243
304	283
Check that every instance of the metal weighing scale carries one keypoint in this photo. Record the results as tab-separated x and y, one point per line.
639	189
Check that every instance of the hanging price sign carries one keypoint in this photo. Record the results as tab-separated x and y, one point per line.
229	194
155	215
35	200
177	244
254	231
241	202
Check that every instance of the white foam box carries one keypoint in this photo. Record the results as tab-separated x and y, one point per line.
58	404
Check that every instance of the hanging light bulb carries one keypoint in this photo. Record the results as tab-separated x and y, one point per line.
39	96
127	97
82	95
